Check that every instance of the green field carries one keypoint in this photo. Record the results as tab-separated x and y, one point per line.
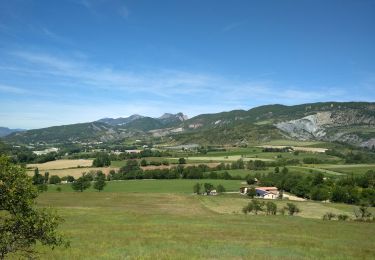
154	186
122	225
350	168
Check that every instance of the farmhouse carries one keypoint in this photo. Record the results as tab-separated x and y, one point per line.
267	192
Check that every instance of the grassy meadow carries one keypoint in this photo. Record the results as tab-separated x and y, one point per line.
127	225
154	186
162	219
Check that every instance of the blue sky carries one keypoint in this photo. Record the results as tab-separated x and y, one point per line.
72	61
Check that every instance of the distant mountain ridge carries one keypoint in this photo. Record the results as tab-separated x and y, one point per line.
350	122
4	131
166	118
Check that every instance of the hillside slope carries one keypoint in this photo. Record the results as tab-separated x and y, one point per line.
350	122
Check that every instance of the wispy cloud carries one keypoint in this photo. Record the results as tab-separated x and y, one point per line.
12	90
164	83
55	37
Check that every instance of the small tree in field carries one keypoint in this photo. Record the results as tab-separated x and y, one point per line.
253	206
100	183
181	161
208	187
81	184
54	179
271	208
101	160
197	188
22	224
220	188
292	209
46	177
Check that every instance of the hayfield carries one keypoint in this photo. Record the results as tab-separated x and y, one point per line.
75	172
109	225
61	164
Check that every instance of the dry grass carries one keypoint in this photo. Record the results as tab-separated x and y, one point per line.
61	164
75	172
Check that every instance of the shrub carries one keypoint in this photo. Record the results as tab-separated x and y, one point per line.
342	217
271	208
329	216
253	206
181	161
292	209
220	188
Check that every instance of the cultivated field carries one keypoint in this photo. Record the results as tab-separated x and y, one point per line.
61	164
75	172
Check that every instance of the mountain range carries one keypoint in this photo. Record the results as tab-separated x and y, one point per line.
4	131
349	122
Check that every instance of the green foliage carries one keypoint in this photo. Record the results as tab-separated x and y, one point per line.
251	192
256	165
68	178
181	161
253	206
54	179
38	179
101	160
342	217
81	184
100	183
208	187
271	208
22	225
46	177
363	214
311	160
197	188
329	216
319	193
292	209
220	188
143	162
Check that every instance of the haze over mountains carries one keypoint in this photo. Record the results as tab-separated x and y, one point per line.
349	122
4	131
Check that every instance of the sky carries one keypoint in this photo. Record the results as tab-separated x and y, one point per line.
70	61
